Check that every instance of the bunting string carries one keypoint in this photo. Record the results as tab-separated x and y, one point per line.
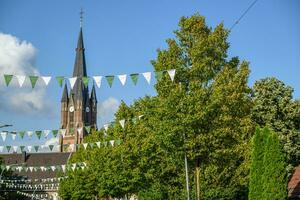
33	79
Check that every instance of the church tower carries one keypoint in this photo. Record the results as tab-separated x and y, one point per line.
78	107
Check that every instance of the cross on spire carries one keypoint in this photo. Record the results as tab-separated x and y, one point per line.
81	17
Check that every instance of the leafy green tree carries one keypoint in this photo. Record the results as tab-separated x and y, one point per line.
275	174
274	106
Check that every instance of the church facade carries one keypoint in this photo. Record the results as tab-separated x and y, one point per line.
78	105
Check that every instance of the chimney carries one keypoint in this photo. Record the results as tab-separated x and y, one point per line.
24	156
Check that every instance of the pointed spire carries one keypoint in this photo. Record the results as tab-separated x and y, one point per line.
93	95
65	96
80	66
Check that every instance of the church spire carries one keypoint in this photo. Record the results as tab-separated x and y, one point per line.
65	95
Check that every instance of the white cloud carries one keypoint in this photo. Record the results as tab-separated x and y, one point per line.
18	58
107	109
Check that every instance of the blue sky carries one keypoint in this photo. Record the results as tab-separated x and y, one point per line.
123	36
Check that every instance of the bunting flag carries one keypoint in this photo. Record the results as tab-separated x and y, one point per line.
88	129
171	73
7	78
51	147
36	148
1	148
21	134
8	148
80	130
112	142
147	76
60	80
72	81
97	80
110	80
3	135
21	79
85	145
33	80
46	79
15	148
13	136
122	123
29	148
46	133
29	133
85	81
122	78
106	127
55	133
22	148
62	132
134	78
158	75
38	134
98	144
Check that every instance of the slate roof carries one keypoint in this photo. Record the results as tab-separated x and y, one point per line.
36	159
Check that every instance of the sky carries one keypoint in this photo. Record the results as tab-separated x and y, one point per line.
122	37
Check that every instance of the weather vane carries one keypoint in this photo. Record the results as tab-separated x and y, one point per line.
81	16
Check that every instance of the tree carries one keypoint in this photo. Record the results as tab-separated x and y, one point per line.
274	107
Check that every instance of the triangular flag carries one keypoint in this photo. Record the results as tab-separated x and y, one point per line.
134	120
46	133
29	148
106	126
29	133
63	167
158	75
171	73
22	148
53	168
60	80
88	129
54	132
80	130
105	143
134	78
33	80
21	79
1	148
62	132
3	135
7	78
140	116
38	134
31	169
15	148
85	80
8	148
98	144
46	79
21	134
36	148
13	136
72	81
112	142
91	145
85	145
110	80
147	76
73	166
122	123
118	142
122	78
51	147
97	80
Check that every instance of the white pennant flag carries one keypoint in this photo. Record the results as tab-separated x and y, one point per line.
63	168
13	136
1	148
140	116
62	132
29	148
29	133
46	133
85	145
80	130
73	166
7	167
21	80
122	78
46	79
31	169
171	73
15	148
122	123
97	80
53	168
72	147
147	76
3	135
72	81
98	144
106	126
112	142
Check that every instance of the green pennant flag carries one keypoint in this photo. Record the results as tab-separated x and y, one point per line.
85	80
134	120
7	78
77	146
159	75
33	80
88	129
36	148
134	78
55	132
113	124
110	80
8	148
51	147
118	142
60	80
91	145
38	134
105	143
2	167
66	146
22	148
22	133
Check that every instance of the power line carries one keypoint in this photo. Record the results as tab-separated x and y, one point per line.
241	17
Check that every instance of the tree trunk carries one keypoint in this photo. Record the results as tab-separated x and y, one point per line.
197	179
